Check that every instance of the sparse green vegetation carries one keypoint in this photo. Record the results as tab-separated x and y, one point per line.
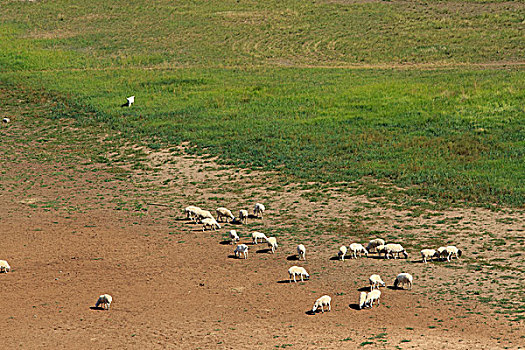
256	84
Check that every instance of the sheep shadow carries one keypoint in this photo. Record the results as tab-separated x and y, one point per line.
382	257
97	308
394	288
293	257
182	219
284	282
334	258
354	306
310	313
226	242
232	256
236	222
263	251
251	216
364	289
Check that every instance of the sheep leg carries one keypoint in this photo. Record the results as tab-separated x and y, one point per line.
322	309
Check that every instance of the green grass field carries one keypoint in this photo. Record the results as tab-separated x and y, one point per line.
418	93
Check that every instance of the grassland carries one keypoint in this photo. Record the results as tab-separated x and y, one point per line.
418	93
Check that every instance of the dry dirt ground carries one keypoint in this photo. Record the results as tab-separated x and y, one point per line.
84	214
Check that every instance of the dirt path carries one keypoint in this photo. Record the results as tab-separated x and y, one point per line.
74	228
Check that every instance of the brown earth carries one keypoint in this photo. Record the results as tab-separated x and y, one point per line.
74	228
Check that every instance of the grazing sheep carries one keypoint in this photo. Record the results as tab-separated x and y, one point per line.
367	299
362	299
4	266
258	209
202	214
272	243
403	278
297	271
325	300
357	248
241	249
380	249
6	120
212	223
371	297
391	249
105	301
428	254
243	216
258	235
234	236
131	100
453	250
224	213
442	252
301	251
376	282
191	211
374	243
342	253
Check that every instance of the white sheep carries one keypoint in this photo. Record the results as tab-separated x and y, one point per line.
404	279
272	243
392	248
212	223
224	213
234	237
301	252
453	250
131	100
105	301
442	252
371	297
191	211
375	282
325	300
6	120
374	243
357	248
367	299
258	209
201	214
241	249
258	235
243	216
4	266
342	253
297	271
428	254
380	249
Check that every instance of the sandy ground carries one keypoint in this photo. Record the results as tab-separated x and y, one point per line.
72	231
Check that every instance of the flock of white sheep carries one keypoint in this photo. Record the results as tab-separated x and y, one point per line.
391	250
356	250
